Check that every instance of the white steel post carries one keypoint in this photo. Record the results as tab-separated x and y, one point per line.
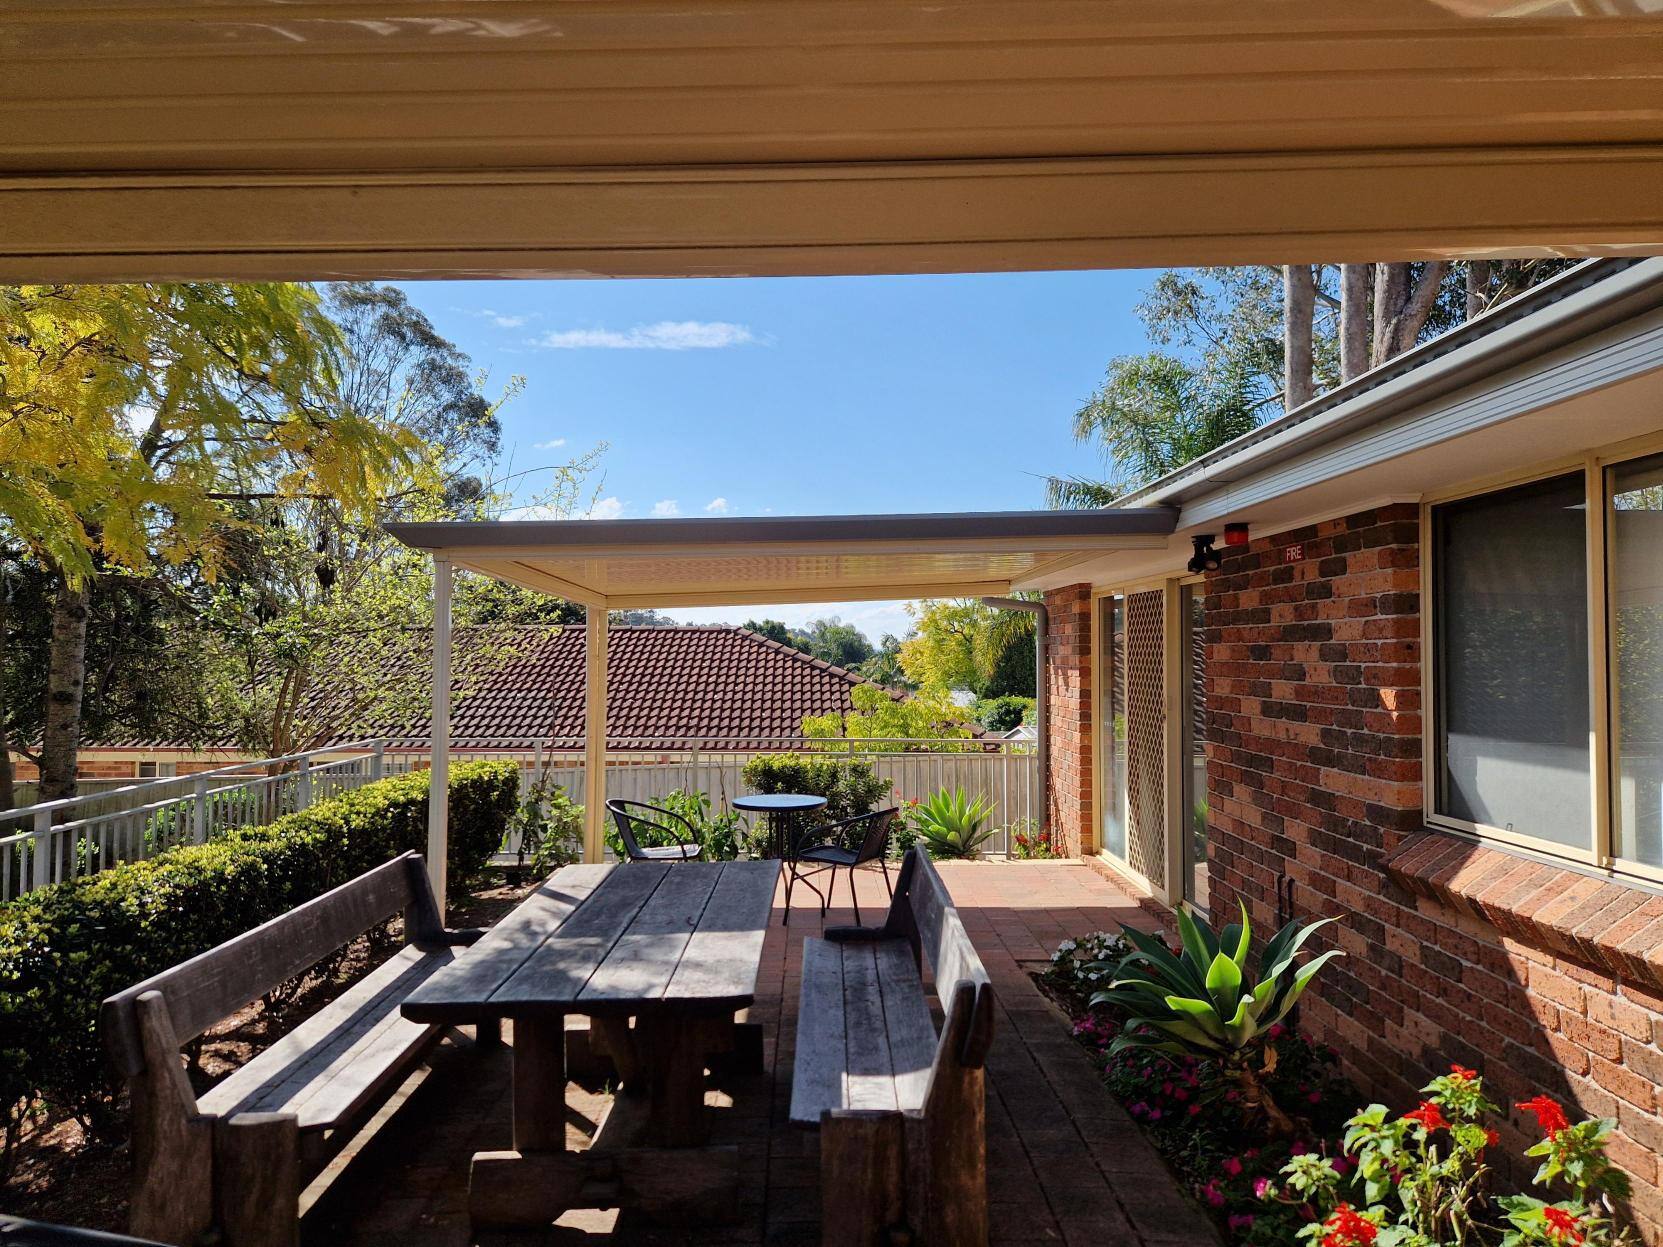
303	784
199	815
378	761
438	799
594	738
42	865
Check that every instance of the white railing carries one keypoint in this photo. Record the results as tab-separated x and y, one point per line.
57	840
1004	772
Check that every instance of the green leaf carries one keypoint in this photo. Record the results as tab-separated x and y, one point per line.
1224	983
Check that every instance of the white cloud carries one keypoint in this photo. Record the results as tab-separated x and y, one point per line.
605	509
665	335
502	320
554	443
716	506
666	509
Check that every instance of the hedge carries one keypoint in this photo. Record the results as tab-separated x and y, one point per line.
64	948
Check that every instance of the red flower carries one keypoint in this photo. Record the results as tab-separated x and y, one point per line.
1429	1115
1344	1228
1549	1116
1463	1073
1491	1137
1563	1227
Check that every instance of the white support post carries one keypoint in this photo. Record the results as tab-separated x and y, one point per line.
594	738
438	799
199	812
44	850
378	761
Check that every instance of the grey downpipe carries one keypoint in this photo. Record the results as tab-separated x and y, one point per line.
1042	694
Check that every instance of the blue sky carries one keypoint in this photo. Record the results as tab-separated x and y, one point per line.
800	395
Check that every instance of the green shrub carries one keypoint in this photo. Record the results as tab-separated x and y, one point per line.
849	785
63	949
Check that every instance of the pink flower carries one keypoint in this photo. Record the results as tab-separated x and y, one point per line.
1260	1186
1241	1221
1342	1165
1212	1194
1232	1166
1276	1031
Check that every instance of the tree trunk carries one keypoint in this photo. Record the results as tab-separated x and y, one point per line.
65	677
1298	308
1354	320
1402	304
1478	287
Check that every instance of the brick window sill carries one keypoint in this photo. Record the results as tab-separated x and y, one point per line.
1572	913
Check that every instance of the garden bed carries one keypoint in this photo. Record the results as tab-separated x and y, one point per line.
1306	1164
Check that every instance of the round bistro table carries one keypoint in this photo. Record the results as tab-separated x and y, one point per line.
782	810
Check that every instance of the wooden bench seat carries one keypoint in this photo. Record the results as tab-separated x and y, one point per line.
864	1035
230	1165
325	1070
901	1109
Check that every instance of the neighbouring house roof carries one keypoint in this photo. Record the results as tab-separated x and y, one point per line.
666	686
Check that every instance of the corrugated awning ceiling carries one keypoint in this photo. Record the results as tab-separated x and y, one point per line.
742	561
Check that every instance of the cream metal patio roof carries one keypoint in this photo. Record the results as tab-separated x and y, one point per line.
622	564
252	139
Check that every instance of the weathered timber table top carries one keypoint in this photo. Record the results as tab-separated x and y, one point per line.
609	940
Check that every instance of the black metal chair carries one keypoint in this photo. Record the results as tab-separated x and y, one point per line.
654	824
833	852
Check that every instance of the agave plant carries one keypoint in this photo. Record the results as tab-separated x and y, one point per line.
1202	1002
951	824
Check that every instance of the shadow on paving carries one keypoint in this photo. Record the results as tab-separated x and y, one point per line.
1065	1163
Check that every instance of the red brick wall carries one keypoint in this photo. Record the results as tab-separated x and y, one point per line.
1068	672
1314	773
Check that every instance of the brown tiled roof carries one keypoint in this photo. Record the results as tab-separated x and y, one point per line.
664	686
669	685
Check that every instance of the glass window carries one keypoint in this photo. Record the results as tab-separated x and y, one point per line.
1112	714
1635	535
1511	617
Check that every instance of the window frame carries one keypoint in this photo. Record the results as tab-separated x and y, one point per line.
1602	724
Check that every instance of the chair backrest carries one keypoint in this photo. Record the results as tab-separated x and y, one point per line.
875	843
924	913
213	985
653	816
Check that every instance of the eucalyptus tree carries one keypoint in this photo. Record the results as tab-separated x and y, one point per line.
1235	346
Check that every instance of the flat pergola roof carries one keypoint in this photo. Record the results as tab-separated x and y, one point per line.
254	139
622	564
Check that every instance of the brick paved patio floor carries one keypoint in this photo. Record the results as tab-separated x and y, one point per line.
1065	1164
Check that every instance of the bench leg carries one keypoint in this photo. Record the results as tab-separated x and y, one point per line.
488	1034
862	1178
173	1145
257	1180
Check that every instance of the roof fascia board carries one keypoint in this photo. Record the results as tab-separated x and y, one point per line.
750	535
1620	297
1616	355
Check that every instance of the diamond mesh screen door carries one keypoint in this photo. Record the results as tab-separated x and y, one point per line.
1145	738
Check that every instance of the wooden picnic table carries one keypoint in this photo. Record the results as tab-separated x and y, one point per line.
660	957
